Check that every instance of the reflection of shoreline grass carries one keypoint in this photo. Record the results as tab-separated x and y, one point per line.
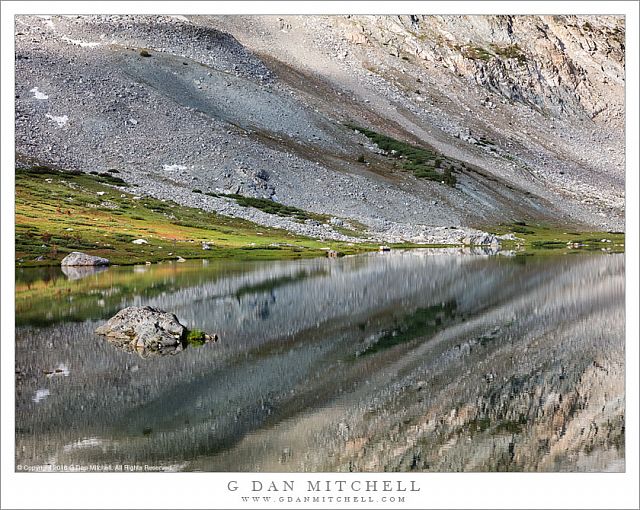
52	297
57	213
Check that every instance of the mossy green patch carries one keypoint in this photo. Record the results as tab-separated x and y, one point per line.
476	53
512	51
271	207
421	162
195	338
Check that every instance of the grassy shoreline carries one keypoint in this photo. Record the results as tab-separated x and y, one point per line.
60	212
540	239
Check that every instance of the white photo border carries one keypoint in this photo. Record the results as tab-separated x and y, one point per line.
211	490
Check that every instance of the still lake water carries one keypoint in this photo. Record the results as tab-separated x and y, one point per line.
430	360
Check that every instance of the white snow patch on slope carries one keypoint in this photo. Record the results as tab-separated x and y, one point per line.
83	44
61	121
37	94
47	21
173	168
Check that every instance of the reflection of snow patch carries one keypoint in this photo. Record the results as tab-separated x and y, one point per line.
37	94
82	44
89	442
171	168
61	121
40	395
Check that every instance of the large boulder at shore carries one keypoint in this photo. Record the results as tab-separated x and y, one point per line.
148	330
77	258
481	239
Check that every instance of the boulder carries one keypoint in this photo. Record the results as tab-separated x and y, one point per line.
77	258
144	329
482	239
148	330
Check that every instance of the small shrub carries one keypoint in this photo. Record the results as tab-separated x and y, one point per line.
448	178
196	191
38	170
144	53
522	230
110	179
361	159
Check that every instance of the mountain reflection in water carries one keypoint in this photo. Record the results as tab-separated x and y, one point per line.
417	360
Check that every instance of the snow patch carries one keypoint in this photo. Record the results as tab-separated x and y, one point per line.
37	94
47	21
82	44
61	121
173	168
180	17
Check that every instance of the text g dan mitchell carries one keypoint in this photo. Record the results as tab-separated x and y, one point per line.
325	486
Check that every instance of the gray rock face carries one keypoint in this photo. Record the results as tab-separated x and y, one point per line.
145	330
481	240
77	258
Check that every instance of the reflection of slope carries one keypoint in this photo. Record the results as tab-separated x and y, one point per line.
486	375
420	323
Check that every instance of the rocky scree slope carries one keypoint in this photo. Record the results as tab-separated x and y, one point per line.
526	111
